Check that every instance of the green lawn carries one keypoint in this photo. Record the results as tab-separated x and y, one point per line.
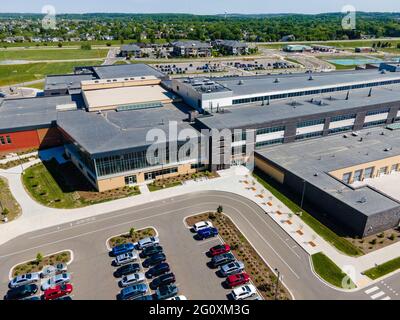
64	186
330	272
12	74
52	54
383	269
338	242
8	202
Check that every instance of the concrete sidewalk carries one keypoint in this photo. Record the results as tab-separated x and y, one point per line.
236	180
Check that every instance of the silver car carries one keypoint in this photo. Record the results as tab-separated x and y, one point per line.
56	280
232	268
49	271
132	279
24	279
147	242
125	258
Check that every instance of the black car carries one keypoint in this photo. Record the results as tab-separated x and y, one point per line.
22	292
154	260
165	279
158	270
149	251
127	269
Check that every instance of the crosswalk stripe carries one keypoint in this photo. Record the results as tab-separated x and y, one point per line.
377	295
370	290
386	298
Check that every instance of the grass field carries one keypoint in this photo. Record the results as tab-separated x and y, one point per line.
331	237
52	54
383	269
63	186
330	272
12	74
8	201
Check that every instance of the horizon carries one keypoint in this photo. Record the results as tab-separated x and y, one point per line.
206	7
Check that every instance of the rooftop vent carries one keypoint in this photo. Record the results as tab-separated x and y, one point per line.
277	80
388	149
241	82
310	78
362	200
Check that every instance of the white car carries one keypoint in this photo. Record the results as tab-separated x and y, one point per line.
178	298
49	271
125	258
147	242
244	292
24	279
232	268
56	280
202	225
132	279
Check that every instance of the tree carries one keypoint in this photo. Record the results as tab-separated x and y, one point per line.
86	46
60	44
39	258
220	209
5	212
132	232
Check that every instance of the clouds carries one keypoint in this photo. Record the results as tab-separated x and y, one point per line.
199	7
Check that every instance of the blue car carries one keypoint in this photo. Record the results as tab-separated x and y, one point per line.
133	291
122	249
207	233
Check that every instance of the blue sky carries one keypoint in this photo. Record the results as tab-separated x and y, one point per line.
198	7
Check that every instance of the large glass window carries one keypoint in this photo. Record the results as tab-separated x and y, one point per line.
270	130
310	123
268	143
368	173
346	177
358	175
309	135
154	174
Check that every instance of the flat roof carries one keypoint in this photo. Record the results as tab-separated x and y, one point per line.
255	114
113	132
267	84
126	70
66	81
31	113
126	95
311	160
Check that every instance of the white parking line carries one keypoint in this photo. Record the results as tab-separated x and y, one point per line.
377	295
373	289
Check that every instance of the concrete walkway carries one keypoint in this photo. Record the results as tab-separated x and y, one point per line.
236	180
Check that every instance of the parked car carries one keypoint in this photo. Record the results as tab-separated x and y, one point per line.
154	260
127	269
134	291
165	292
122	248
66	298
158	270
125	258
147	297
58	291
238	279
232	268
23	279
149	251
164	279
56	280
131	279
222	259
219	249
207	233
244	292
178	298
49	271
21	292
147	242
202	225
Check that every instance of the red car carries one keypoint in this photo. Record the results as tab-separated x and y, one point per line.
219	249
58	291
235	280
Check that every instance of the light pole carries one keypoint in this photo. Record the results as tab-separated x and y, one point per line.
277	283
302	196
